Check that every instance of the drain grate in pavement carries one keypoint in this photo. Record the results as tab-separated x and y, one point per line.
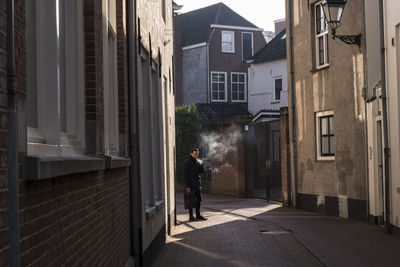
275	232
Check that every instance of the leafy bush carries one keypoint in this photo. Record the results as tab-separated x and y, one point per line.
187	127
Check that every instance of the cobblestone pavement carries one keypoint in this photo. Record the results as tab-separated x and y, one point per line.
251	232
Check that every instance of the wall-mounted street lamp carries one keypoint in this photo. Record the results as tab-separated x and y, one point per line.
333	10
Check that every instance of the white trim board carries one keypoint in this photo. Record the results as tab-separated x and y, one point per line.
194	46
236	27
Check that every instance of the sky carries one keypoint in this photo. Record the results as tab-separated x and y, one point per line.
259	12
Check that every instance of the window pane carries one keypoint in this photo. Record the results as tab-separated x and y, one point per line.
241	95
234	77
332	144
278	84
321	50
214	87
324	125
241	87
214	77
241	78
221	95
331	124
222	77
235	96
234	88
318	18
247	45
325	145
277	94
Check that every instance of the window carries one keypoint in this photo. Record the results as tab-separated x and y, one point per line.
54	29
238	86
277	88
325	135
147	162
218	87
111	133
321	37
247	46
228	42
156	133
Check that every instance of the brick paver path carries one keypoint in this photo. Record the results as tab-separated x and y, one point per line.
251	232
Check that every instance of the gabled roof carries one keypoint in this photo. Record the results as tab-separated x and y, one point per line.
195	25
274	50
221	110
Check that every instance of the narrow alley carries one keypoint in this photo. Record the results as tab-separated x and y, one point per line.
252	232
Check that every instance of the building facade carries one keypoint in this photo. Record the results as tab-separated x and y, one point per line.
268	77
216	42
383	31
85	193
327	111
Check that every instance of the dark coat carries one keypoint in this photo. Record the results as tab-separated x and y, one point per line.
192	172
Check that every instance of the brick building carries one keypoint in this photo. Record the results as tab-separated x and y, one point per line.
95	132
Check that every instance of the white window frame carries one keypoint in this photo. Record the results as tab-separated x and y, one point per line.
252	44
274	88
110	70
323	35
47	137
318	115
245	87
233	41
225	84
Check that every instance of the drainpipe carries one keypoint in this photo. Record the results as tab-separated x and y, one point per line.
132	85
293	157
385	120
12	162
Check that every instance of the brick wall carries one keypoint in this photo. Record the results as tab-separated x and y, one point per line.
3	141
4	259
285	156
94	106
76	220
228	175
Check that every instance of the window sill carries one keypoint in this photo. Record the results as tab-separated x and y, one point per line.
116	162
150	211
160	204
320	68
45	167
327	158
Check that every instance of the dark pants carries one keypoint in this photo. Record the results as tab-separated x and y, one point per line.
197	193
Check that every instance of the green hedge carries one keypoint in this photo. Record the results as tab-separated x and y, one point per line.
187	126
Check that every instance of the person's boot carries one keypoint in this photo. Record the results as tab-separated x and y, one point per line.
191	218
200	218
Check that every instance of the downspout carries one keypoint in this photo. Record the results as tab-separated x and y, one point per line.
385	120
292	114
12	162
132	77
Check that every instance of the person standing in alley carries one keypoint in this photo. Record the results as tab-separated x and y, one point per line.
193	168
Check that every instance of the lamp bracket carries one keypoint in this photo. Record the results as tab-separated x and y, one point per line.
348	39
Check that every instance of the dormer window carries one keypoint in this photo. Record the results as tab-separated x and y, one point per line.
228	41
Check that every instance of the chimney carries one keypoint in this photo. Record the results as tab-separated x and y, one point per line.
280	24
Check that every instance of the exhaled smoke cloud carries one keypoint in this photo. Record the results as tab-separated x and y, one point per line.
219	144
